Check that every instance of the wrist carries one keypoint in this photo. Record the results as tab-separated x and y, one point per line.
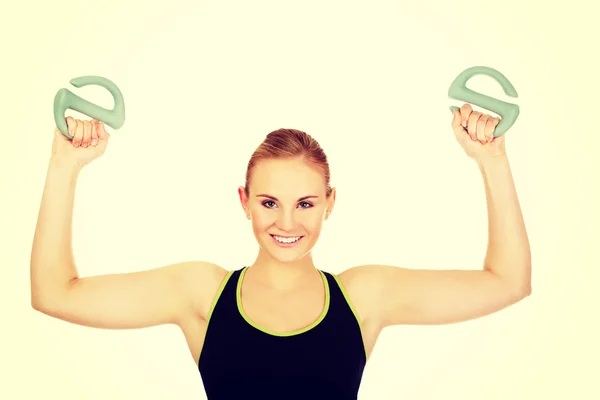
494	170
486	163
64	166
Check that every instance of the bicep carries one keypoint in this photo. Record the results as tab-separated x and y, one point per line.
133	300
417	296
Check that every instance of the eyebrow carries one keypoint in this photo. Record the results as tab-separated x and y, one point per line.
276	199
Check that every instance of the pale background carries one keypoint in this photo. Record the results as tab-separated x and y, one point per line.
205	81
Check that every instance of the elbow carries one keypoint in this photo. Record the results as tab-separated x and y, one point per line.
516	290
524	287
45	298
35	298
518	283
46	303
38	304
522	294
40	307
49	308
39	296
521	291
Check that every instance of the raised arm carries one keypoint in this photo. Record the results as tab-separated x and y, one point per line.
394	295
166	295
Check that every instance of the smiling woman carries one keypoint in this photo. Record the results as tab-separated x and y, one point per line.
287	195
271	330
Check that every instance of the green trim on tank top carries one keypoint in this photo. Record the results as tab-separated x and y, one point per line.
238	295
354	311
212	308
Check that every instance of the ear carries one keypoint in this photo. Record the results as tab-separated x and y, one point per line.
244	200
330	203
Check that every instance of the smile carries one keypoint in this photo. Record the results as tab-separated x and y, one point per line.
286	241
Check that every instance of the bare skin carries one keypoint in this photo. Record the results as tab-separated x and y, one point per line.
280	279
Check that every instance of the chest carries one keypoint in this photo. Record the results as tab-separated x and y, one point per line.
282	312
260	338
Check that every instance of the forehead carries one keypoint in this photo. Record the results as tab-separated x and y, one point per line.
287	178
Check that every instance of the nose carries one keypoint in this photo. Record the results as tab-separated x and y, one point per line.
285	220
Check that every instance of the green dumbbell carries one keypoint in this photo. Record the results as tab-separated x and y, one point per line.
65	99
508	112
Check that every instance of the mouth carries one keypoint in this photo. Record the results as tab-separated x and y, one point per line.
286	241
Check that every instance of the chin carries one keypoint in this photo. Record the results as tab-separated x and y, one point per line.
286	259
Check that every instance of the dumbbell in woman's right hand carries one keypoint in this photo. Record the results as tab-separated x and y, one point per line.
89	142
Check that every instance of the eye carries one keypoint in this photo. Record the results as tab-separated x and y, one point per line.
305	204
269	203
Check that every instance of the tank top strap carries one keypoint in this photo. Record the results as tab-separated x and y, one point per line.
225	300
344	312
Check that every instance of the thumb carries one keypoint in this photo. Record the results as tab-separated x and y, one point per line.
58	135
498	140
457	127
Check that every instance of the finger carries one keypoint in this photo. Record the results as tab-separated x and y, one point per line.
456	121
465	112
102	134
472	124
71	126
480	131
490	127
95	128
78	137
457	128
87	133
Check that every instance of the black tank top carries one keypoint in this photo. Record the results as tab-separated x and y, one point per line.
239	360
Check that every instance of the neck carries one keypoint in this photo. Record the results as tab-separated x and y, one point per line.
282	274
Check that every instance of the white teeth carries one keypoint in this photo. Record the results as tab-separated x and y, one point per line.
286	240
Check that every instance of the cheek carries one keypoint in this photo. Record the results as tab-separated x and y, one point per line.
262	220
312	222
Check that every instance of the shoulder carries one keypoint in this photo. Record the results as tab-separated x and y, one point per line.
363	286
362	279
375	288
201	281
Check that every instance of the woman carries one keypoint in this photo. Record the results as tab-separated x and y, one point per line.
280	328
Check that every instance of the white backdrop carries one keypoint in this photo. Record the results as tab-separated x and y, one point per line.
205	81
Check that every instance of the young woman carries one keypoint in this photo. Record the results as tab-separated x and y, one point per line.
280	328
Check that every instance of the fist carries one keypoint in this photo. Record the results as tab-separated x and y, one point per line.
89	142
474	131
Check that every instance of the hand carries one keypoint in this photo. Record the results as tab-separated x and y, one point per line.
474	131
89	142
